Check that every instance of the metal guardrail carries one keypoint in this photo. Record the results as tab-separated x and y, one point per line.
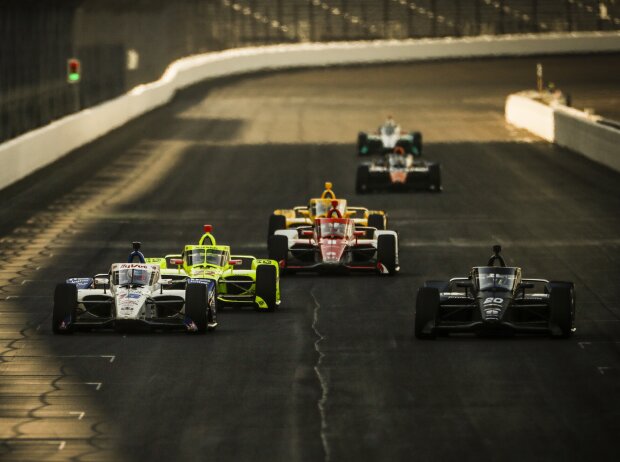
121	44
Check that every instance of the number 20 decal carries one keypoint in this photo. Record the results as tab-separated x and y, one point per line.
489	300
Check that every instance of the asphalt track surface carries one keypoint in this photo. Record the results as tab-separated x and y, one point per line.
335	373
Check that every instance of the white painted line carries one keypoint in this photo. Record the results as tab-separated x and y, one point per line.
97	385
61	446
110	358
80	414
602	369
583	344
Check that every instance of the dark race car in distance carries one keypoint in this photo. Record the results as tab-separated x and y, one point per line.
495	300
398	171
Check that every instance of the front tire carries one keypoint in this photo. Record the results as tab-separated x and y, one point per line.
562	308
426	309
266	285
196	306
386	252
65	309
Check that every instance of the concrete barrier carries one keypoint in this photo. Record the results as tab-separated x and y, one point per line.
565	126
34	150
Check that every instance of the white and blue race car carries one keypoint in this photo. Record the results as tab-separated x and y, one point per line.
133	295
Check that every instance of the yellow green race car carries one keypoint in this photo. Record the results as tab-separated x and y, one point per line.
318	208
242	280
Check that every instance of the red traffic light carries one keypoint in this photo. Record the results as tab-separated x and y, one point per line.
73	70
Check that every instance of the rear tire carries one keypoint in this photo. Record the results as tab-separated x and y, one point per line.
562	308
276	222
426	309
266	284
361	179
434	172
278	248
196	304
65	308
417	143
362	144
376	220
386	252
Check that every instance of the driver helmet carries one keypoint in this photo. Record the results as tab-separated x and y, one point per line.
140	276
399	150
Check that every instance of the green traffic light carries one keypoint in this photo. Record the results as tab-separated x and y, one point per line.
74	77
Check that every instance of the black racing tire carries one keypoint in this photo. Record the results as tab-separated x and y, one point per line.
362	141
65	308
386	252
212	310
434	172
376	220
562	308
426	309
417	143
441	286
278	248
196	304
361	179
266	285
276	222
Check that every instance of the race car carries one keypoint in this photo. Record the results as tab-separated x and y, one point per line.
133	294
386	138
398	171
318	207
334	243
495	300
241	280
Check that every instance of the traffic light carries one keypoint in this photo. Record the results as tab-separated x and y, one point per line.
73	70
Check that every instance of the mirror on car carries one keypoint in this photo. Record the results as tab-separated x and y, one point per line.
465	284
101	281
176	261
307	233
526	285
235	262
359	233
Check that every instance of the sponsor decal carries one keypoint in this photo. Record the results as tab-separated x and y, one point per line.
134	265
134	295
398	177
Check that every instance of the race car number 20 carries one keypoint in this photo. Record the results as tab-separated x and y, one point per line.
491	300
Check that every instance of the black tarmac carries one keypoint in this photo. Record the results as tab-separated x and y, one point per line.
335	374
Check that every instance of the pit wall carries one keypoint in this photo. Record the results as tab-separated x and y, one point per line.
567	127
25	154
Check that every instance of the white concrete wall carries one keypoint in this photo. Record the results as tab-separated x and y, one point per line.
565	126
31	151
524	111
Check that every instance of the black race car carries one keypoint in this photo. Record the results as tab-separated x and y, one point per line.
398	171
495	300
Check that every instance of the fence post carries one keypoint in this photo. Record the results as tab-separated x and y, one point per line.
535	15
311	21
477	19
434	10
